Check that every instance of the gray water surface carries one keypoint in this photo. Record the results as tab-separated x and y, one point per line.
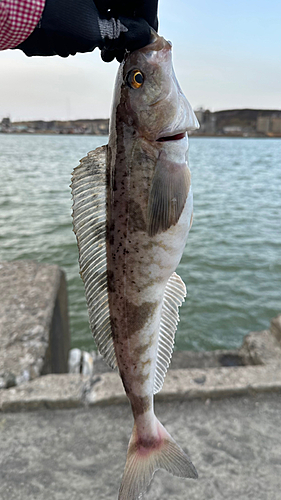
231	264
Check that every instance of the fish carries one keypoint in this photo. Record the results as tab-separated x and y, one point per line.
132	211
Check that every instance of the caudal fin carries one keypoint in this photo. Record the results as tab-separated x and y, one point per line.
144	460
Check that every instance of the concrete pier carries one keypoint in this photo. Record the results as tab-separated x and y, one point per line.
34	332
64	436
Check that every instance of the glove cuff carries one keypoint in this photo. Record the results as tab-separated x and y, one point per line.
111	28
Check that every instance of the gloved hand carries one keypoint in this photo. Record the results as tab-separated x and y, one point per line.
142	9
70	26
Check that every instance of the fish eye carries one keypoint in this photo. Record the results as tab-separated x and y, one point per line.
135	79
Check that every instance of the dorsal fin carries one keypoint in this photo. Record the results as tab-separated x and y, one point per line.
174	295
89	222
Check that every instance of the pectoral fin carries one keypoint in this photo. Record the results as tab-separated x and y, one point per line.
169	191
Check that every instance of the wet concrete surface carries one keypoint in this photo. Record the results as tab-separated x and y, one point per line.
79	454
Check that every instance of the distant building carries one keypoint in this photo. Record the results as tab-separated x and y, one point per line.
269	125
263	124
276	125
200	115
207	121
5	125
87	126
232	129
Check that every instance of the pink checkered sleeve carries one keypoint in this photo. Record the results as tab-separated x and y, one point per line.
18	19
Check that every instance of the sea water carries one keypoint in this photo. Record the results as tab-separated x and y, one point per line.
232	261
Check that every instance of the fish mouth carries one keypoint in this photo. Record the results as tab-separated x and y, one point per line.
175	137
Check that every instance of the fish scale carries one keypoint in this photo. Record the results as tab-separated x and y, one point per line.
132	211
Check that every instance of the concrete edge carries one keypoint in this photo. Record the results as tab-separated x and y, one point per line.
260	371
194	384
72	391
53	391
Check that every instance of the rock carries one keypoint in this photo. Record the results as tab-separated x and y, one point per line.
260	348
87	364
80	362
275	327
7	380
205	359
74	360
34	332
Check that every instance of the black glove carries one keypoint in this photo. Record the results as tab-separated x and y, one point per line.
143	9
146	9
70	26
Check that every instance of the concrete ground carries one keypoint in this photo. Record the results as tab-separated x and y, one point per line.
79	454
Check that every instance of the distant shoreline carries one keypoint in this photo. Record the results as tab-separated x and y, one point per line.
194	136
246	123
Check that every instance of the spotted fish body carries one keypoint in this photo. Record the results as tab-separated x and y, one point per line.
132	212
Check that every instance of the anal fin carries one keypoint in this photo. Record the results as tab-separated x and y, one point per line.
174	295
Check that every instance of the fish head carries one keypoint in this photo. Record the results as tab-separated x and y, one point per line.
148	97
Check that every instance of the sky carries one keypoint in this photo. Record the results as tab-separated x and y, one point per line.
227	54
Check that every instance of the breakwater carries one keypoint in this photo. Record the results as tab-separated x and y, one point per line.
35	350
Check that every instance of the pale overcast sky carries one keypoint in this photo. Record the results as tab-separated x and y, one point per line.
227	54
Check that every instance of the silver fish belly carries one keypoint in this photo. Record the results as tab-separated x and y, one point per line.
132	213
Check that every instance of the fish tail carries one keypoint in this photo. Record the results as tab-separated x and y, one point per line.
144	460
